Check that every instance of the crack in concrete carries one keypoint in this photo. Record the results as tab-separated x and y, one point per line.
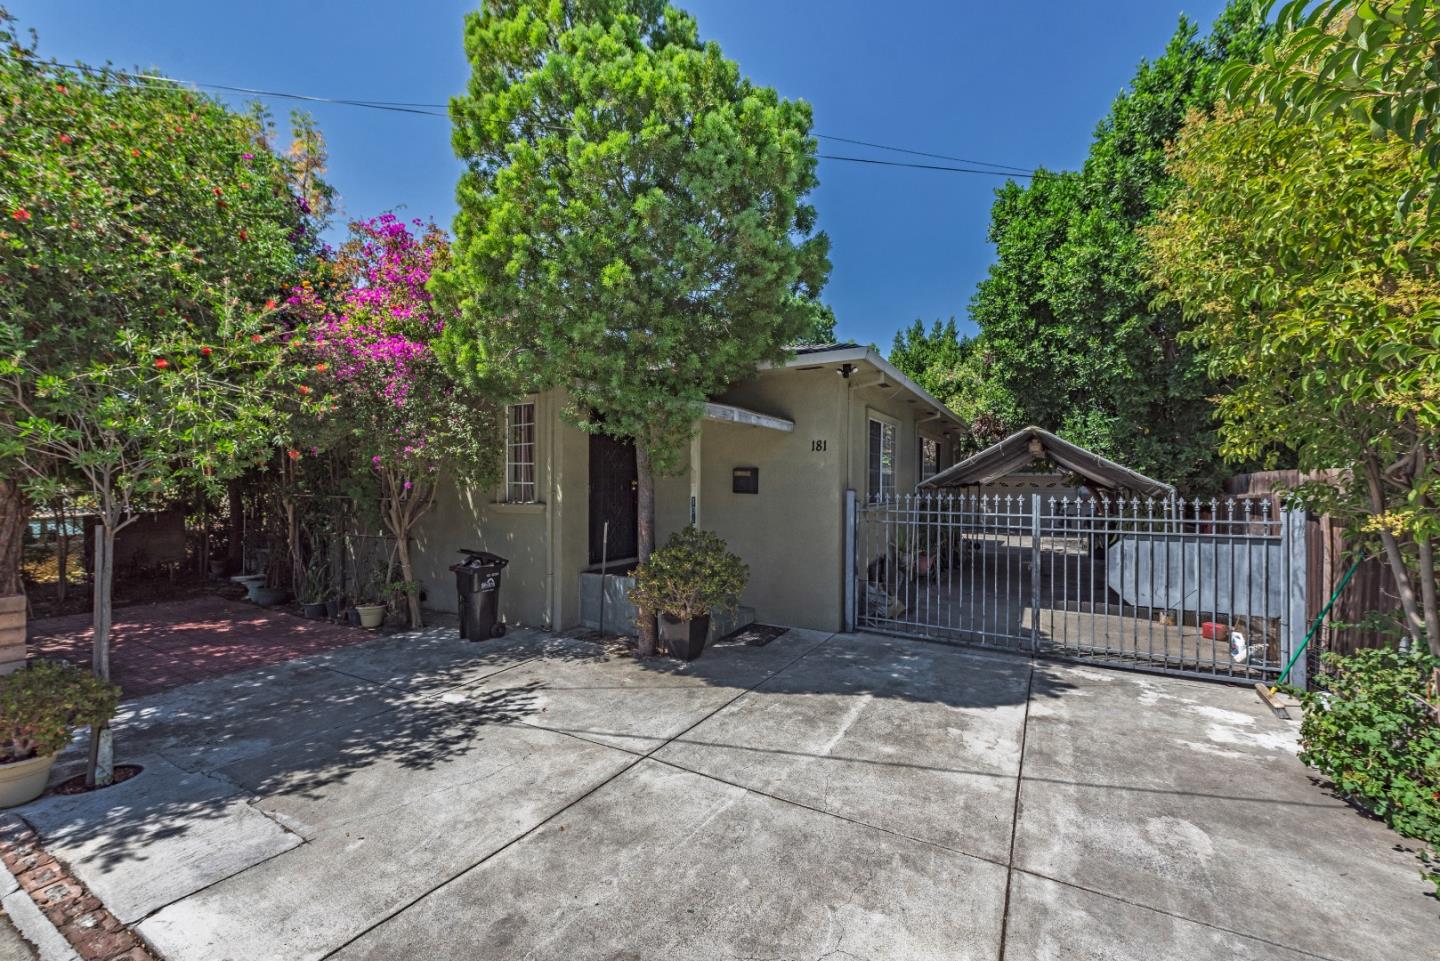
1015	815
837	950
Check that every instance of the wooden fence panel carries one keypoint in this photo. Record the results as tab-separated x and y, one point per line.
1371	589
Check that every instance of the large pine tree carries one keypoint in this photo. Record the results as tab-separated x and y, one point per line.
632	224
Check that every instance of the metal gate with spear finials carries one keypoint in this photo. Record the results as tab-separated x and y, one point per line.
1214	589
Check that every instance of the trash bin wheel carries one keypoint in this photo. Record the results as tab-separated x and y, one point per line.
498	630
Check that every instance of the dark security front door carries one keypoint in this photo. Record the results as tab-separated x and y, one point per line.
613	492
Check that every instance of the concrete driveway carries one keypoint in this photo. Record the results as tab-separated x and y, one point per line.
417	797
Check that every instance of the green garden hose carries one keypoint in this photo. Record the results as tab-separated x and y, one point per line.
1316	626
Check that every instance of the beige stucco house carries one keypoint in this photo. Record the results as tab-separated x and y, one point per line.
768	470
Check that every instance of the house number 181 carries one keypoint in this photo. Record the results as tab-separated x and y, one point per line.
817	445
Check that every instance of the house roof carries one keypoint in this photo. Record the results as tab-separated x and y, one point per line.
841	354
1026	446
822	348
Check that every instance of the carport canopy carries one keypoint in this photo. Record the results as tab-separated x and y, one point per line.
1026	446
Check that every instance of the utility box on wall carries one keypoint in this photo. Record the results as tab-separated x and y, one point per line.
745	480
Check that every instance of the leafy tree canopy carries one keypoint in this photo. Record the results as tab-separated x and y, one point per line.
1067	313
632	221
148	232
1319	309
957	370
820	328
1374	61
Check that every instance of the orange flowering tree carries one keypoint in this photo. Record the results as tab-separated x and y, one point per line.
148	233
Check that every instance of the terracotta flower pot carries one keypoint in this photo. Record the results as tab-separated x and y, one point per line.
22	781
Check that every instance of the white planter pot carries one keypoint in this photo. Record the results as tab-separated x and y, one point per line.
371	615
22	781
251	582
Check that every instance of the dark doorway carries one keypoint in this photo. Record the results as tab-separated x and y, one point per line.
613	497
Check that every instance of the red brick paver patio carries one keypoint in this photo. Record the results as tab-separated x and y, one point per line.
160	646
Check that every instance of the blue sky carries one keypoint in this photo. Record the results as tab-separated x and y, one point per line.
1019	84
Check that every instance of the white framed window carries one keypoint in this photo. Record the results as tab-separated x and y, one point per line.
929	450
520	453
881	458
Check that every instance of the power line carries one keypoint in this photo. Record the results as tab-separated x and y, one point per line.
922	153
917	166
435	110
158	80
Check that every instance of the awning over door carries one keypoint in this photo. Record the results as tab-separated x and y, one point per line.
731	414
1026	446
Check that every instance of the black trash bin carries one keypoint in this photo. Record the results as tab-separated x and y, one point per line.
477	582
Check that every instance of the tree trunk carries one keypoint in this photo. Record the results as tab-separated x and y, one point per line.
102	768
14	513
1428	602
645	535
202	556
293	547
236	547
401	510
62	551
407	573
1414	623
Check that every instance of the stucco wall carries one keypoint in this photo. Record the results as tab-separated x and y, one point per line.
572	516
475	516
790	533
894	404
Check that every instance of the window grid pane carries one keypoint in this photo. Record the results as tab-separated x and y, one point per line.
881	460
929	457
520	454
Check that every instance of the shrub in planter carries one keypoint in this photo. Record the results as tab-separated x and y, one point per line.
40	705
1369	728
682	582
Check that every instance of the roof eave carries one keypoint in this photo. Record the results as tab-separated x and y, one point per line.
872	357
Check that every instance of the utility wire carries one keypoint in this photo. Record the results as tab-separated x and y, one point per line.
442	110
922	153
919	166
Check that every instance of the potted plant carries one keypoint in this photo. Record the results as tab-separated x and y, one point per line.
317	589
683	582
39	706
371	615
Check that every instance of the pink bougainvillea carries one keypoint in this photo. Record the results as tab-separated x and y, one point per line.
371	328
380	391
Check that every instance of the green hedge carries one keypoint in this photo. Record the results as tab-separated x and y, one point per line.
1368	728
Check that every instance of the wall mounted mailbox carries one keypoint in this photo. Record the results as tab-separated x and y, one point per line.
745	480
